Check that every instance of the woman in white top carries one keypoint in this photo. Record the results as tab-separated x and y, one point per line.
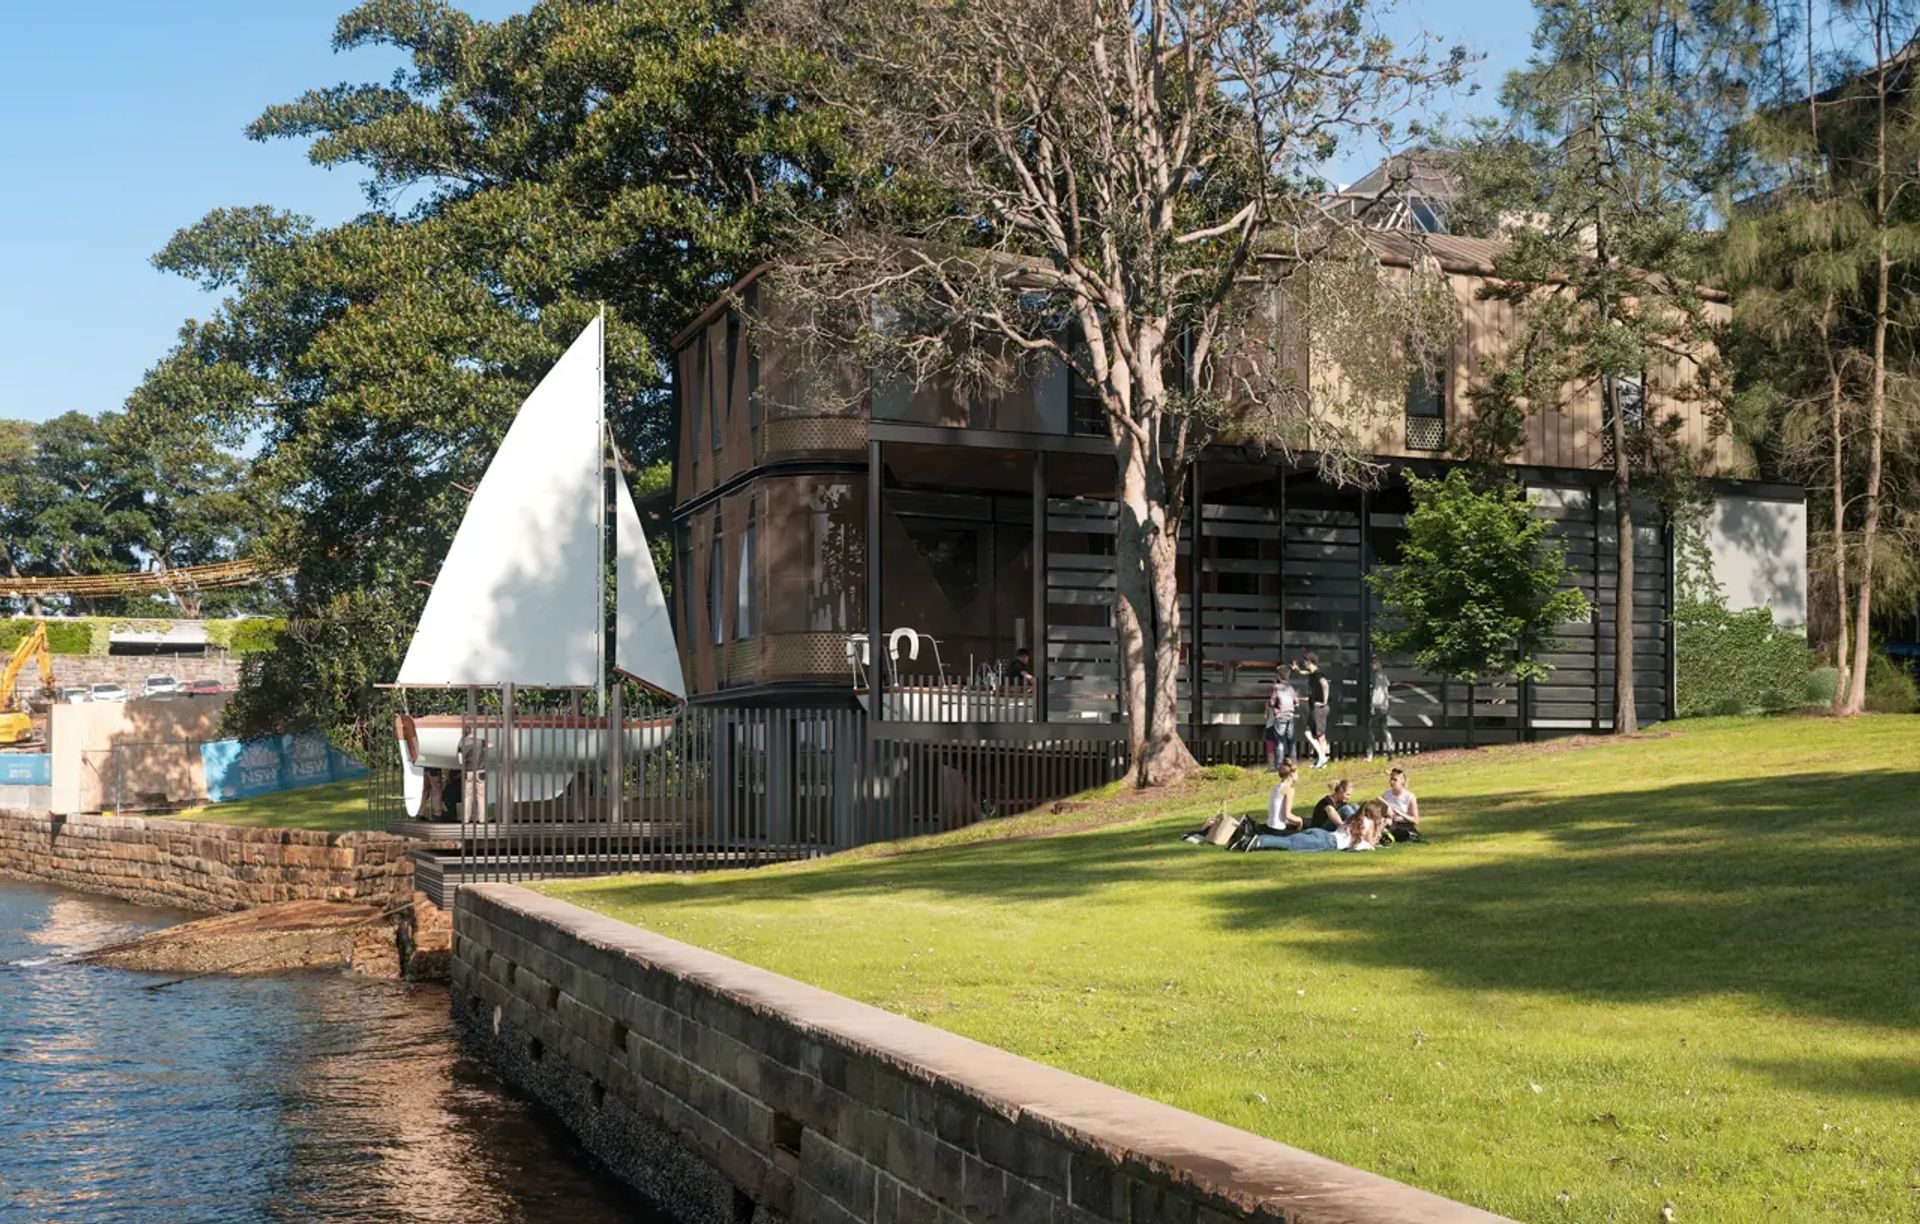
1403	809
1280	817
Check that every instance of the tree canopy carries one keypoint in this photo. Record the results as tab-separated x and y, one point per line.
521	175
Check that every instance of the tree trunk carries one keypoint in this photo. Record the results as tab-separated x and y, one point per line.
1877	399
1146	563
1132	599
1625	717
1837	441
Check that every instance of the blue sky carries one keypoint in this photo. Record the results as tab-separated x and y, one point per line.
122	121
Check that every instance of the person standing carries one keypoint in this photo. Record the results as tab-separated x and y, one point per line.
1379	702
1319	703
1282	702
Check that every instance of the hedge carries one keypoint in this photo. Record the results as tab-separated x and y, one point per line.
88	635
1737	662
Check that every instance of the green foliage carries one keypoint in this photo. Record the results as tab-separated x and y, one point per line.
63	637
1737	662
252	636
1890	687
118	493
1221	773
1478	585
522	174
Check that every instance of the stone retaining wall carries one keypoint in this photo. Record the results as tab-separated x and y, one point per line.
728	1093
207	867
131	671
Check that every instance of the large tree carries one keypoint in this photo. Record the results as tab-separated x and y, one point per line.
521	176
1605	170
1132	189
1819	251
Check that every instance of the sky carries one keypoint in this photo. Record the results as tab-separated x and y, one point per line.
123	121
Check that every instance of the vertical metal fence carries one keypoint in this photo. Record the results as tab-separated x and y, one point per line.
523	785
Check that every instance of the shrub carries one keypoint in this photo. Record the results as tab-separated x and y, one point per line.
63	637
1222	773
257	635
1737	662
1890	687
1822	683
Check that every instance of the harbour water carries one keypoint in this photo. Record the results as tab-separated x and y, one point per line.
305	1097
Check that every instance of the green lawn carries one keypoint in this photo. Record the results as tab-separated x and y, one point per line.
1685	968
336	807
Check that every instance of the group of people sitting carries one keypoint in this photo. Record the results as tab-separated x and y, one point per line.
1336	822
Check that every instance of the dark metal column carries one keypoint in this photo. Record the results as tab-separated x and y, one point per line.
1672	709
1363	691
875	634
1593	496
1037	637
1196	613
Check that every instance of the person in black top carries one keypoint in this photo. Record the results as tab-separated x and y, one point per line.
1019	672
1335	808
1319	698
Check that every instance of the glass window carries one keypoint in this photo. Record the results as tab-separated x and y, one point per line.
692	393
1427	394
733	357
683	578
716	590
743	601
1086	414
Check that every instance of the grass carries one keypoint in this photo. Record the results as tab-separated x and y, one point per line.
334	807
1682	969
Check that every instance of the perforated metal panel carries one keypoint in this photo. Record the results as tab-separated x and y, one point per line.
806	655
1425	433
810	434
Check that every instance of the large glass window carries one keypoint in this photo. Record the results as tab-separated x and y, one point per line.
1427	394
683	579
744	610
816	544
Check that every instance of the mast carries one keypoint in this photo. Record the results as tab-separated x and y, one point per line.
600	573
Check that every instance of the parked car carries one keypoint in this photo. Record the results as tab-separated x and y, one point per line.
75	695
106	692
204	688
159	686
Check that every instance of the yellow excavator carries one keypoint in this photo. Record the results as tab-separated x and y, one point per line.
16	725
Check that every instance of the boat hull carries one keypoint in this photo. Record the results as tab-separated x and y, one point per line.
548	754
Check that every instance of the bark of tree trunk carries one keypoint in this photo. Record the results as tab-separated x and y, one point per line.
1837	440
1146	563
1625	716
1877	399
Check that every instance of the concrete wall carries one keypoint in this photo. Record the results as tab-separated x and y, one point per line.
205	867
728	1093
1759	548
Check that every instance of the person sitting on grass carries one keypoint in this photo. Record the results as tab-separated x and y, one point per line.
1361	831
1403	809
1280	816
1334	808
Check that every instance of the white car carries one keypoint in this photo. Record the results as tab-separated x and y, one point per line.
74	696
159	686
106	692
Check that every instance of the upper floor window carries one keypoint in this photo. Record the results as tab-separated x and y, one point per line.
745	611
1086	412
693	397
1427	411
1631	392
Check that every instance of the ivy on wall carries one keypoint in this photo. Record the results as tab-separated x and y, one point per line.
89	635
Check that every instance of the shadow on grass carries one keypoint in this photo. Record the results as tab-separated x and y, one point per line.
1801	893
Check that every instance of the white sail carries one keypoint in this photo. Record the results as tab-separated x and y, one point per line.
518	597
643	645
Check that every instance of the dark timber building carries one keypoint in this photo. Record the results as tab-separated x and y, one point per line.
986	525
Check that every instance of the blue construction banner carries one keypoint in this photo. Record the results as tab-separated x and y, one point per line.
26	769
237	769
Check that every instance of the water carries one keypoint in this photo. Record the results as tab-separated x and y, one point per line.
302	1097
